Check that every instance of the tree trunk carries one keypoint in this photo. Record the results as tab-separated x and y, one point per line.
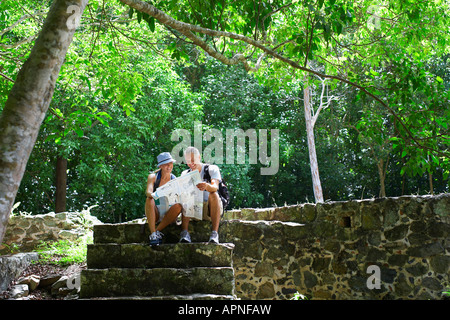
61	184
318	195
403	178
382	175
29	99
430	180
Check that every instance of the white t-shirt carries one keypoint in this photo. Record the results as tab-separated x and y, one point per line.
214	172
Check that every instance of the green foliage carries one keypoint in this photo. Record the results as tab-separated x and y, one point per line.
11	248
128	82
446	293
299	296
64	252
16	41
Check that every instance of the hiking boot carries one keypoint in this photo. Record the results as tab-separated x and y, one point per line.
185	237
214	238
156	238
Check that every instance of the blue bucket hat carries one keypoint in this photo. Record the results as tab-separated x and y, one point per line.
164	158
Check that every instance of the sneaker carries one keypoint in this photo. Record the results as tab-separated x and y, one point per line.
185	236
156	238
214	238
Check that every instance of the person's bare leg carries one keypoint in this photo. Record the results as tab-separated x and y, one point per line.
184	234
185	222
152	214
214	210
170	216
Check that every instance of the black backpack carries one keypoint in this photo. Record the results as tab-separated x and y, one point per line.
223	189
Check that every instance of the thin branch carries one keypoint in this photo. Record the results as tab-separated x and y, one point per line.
2	32
17	44
277	10
6	77
15	24
323	104
151	45
99	29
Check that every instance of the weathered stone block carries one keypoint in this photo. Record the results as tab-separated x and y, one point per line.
396	233
180	255
440	264
418	238
309	279
391	213
248	249
19	290
263	269
388	275
323	229
332	246
438	230
370	217
426	250
139	233
23	223
432	283
339	268
441	206
156	282
402	287
374	238
32	281
320	264
12	266
266	291
397	260
417	269
375	255
309	212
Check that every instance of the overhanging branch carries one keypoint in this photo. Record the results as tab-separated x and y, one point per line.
188	29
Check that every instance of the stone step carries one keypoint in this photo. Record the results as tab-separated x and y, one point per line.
229	231
139	232
179	255
120	282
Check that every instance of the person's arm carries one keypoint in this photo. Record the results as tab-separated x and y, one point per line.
150	183
215	178
210	187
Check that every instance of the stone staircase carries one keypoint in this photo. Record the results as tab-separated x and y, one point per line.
121	265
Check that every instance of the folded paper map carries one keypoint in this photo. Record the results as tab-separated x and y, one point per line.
183	190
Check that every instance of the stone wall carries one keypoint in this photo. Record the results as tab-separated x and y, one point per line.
25	232
324	251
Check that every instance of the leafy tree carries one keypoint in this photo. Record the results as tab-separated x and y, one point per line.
382	59
109	126
335	33
28	102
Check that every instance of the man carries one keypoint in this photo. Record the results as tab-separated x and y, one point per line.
159	210
212	205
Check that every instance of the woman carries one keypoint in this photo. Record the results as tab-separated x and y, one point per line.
159	210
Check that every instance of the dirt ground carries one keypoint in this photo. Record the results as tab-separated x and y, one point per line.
42	270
